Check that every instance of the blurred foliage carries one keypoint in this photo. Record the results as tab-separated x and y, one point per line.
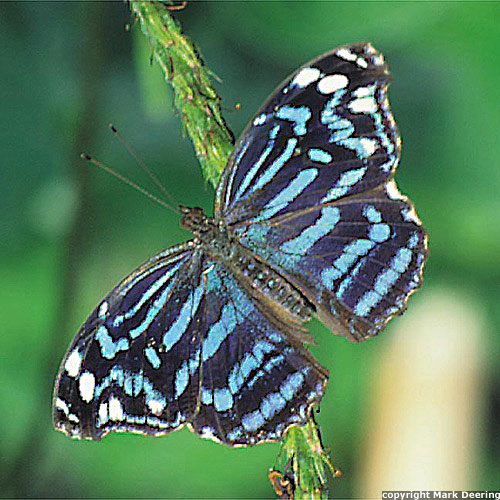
69	233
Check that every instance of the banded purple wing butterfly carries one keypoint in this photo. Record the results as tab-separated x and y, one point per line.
307	222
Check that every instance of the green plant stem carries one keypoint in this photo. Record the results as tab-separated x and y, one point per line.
194	97
303	453
199	108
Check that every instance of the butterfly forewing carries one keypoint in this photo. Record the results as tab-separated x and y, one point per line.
121	371
325	133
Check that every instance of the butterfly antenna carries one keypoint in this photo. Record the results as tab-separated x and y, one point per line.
141	163
104	167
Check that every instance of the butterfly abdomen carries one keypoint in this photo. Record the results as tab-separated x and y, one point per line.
258	279
263	280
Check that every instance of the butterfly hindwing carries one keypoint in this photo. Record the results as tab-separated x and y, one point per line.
255	382
357	260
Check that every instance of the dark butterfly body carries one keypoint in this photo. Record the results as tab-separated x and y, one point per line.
307	222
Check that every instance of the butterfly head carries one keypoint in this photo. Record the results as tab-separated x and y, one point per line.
195	220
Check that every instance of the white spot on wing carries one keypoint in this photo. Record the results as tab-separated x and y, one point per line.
411	216
259	120
61	405
306	76
87	385
378	60
369	49
331	83
346	54
208	433
363	105
361	62
103	310
72	365
392	191
103	412
115	409
364	91
155	406
369	145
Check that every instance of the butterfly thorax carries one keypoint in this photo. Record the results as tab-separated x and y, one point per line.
212	236
259	279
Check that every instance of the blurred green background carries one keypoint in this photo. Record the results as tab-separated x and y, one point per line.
70	232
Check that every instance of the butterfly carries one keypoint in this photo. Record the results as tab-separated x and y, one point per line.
307	221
